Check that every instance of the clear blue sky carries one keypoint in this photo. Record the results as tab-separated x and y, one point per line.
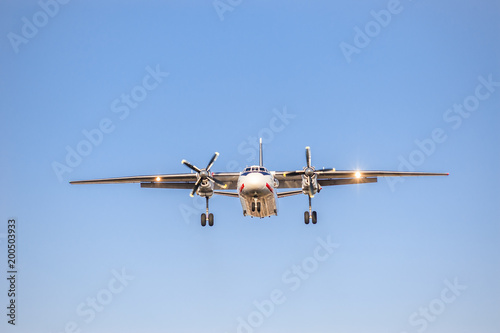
380	85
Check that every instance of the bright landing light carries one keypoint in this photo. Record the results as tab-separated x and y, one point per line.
158	179
357	174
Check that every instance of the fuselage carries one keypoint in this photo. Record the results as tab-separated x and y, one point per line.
257	192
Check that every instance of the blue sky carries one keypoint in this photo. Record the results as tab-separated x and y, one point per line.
152	83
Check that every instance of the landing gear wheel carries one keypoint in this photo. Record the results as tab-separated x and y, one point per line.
211	219
203	220
306	217
314	217
258	207
253	206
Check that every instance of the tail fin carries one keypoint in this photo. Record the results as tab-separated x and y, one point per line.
261	162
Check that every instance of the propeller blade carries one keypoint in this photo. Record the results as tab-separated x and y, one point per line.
195	188
209	165
218	182
293	173
189	165
325	170
308	156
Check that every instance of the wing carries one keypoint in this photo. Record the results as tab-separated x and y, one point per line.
344	177
361	174
179	181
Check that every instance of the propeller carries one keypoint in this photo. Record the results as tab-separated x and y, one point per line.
203	174
309	171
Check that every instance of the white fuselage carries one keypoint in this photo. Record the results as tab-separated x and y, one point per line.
257	192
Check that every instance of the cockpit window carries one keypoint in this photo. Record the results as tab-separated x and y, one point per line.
256	168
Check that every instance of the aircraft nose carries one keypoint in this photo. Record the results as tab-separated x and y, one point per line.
253	184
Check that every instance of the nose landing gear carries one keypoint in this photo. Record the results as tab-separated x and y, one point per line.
256	206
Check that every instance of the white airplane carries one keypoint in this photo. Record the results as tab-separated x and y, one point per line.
256	186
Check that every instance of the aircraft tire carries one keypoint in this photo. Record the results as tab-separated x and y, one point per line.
203	219
211	219
314	217
306	217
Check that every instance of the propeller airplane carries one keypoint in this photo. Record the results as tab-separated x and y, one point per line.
256	186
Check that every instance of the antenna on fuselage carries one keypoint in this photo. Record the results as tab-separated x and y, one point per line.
260	153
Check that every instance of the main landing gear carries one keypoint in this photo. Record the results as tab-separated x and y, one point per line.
310	215
204	218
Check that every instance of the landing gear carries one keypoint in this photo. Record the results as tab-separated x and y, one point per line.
256	206
204	218
310	214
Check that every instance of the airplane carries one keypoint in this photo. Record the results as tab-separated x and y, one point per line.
256	186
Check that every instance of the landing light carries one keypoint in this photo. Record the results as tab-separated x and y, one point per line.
158	179
357	174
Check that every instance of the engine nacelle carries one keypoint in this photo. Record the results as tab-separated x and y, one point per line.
206	189
306	188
